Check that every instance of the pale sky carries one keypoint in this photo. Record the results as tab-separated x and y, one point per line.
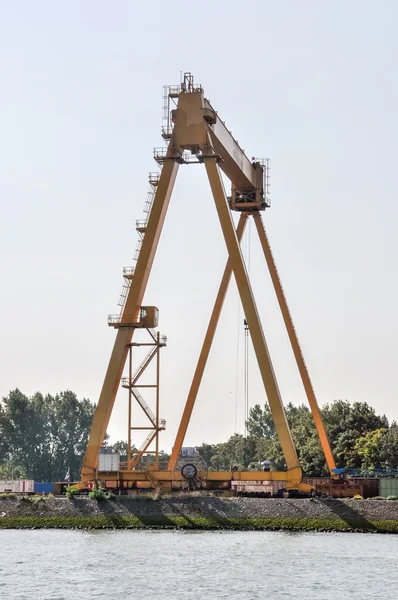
312	85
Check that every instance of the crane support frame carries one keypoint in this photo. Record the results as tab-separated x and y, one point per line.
130	313
300	361
298	354
250	309
197	131
204	353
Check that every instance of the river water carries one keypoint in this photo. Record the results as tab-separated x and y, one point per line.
174	565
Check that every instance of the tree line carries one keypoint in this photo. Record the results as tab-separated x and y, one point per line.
43	436
358	436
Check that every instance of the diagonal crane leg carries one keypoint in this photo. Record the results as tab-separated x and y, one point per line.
132	306
305	377
204	353
253	320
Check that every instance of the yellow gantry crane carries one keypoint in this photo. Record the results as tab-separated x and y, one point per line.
194	132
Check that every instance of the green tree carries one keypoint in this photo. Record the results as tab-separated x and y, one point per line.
45	435
367	448
10	471
260	422
207	451
238	451
121	446
270	449
388	447
345	424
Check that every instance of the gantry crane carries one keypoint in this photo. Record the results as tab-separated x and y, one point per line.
194	132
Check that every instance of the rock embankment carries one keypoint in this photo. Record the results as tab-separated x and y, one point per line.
201	512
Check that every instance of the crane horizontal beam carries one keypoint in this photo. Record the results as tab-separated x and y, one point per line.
195	121
235	164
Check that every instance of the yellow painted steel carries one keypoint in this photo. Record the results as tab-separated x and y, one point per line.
204	353
197	128
136	458
251	314
302	367
172	480
131	309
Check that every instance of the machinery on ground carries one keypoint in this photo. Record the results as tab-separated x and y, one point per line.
194	133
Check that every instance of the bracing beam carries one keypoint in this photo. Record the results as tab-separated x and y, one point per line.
291	331
204	353
132	306
251	314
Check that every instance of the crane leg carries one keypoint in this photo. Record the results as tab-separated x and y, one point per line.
291	331
204	353
252	317
133	303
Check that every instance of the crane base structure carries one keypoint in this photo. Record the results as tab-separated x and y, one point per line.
194	133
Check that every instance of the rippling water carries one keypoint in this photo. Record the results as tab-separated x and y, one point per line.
63	565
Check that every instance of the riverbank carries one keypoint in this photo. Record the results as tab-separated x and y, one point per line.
200	512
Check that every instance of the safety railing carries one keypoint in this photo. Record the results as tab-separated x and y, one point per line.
172	90
162	337
166	133
128	272
146	462
143	404
152	478
188	86
138	455
144	444
154	178
124	291
159	154
144	363
266	165
149	201
188	158
125	381
137	249
114	320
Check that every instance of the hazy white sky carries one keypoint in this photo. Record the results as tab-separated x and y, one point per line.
311	84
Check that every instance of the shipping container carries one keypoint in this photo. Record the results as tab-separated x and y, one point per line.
366	487
187	451
370	486
43	487
17	486
388	487
109	462
263	488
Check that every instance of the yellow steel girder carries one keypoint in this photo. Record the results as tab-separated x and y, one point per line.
198	128
133	303
251	314
291	331
204	353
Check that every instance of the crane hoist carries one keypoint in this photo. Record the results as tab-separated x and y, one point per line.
194	133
